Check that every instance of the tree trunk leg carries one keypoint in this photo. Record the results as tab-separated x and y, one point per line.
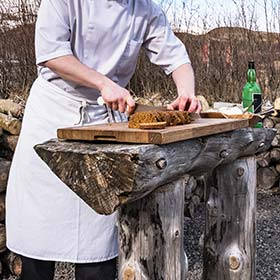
151	232
229	244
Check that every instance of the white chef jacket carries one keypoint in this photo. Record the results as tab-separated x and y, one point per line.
45	220
106	36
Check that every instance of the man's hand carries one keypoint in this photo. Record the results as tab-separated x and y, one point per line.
186	103
117	98
183	77
70	68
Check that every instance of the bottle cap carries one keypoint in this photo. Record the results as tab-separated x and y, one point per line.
251	65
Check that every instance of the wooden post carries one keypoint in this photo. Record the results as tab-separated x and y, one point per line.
151	235
229	247
142	181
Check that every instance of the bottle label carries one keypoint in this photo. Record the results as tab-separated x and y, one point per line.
257	105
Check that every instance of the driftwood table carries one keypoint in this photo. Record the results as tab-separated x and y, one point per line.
146	183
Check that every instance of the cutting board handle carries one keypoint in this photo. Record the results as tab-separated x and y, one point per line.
104	138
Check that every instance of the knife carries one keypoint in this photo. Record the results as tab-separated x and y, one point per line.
144	108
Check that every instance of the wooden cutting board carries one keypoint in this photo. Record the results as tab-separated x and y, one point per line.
119	132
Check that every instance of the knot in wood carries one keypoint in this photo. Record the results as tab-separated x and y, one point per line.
261	145
223	216
177	233
224	154
128	273
234	262
161	163
240	171
212	209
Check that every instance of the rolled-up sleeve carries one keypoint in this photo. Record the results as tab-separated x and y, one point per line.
161	45
52	35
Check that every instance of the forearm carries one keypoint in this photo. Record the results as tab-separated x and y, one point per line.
71	69
183	77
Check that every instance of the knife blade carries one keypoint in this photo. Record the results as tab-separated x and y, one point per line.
144	108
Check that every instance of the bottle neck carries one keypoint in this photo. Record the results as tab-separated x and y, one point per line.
251	76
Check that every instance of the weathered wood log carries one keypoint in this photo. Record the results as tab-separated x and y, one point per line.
276	141
275	113
189	208
10	124
263	159
9	141
277	104
1	131
277	168
276	119
3	247
275	154
267	177
194	195
4	173
9	107
6	153
13	262
106	176
277	127
2	207
151	235
268	122
229	248
191	186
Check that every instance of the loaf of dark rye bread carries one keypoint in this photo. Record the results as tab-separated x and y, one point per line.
170	117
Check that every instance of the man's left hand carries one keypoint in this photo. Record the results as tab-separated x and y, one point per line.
186	103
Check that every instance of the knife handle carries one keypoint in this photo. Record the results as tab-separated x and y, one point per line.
100	101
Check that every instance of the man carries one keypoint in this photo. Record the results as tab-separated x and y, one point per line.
84	49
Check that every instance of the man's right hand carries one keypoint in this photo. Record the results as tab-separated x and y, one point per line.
117	98
70	68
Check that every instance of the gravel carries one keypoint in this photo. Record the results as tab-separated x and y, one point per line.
268	245
268	236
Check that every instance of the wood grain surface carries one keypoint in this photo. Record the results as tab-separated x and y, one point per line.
119	132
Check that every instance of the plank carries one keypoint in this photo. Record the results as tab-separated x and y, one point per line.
119	132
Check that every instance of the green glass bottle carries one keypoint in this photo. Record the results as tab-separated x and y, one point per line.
251	94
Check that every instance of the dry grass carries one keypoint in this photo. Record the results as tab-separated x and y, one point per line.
221	70
219	60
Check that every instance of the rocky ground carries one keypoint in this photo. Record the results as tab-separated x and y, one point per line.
268	244
268	236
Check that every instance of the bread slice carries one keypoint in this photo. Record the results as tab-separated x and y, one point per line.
171	118
154	125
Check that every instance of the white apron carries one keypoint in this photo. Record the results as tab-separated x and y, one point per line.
45	219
